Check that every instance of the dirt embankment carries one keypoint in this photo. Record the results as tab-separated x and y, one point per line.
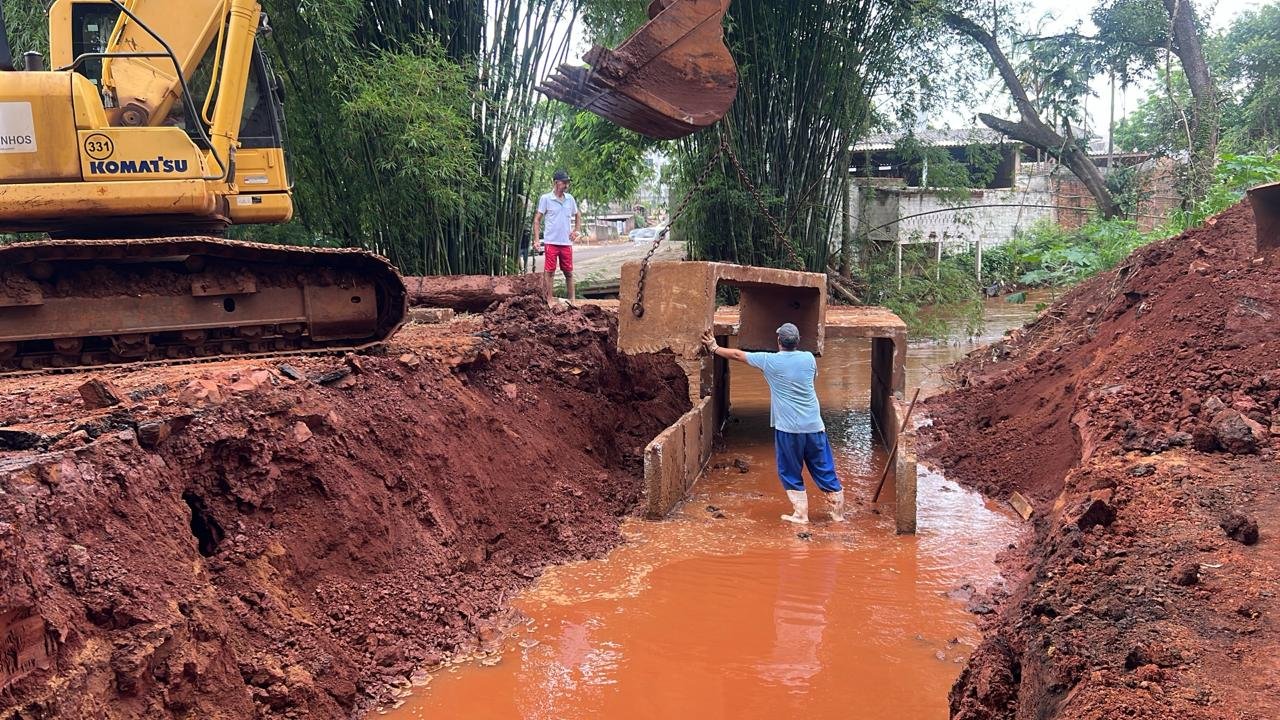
1141	414
293	539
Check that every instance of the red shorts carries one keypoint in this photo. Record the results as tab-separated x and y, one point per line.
562	252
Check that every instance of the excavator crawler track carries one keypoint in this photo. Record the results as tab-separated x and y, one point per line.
90	303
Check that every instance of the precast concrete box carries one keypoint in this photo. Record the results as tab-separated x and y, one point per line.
680	304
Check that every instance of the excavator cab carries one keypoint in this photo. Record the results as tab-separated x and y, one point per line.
672	77
160	122
6	55
155	119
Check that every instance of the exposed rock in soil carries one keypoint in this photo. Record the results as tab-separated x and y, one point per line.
1241	528
1137	409
244	541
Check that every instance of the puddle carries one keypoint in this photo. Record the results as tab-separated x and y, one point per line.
726	612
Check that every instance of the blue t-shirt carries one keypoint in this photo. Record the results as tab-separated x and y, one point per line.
793	403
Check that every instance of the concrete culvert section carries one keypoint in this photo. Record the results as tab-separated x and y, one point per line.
724	611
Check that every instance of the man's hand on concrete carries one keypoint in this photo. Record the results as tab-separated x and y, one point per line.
709	341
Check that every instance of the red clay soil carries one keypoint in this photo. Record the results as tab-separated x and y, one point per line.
1141	415
261	539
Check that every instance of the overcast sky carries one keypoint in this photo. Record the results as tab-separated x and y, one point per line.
1219	14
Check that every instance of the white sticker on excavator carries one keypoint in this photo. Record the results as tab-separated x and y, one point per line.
17	128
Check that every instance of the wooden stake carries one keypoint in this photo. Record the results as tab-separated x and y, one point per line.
893	451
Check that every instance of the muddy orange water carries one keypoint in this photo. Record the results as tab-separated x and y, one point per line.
726	612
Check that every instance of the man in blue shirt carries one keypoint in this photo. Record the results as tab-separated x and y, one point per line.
799	435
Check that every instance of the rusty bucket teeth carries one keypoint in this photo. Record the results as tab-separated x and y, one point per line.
1265	200
672	77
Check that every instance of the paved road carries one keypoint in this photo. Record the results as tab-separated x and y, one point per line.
602	264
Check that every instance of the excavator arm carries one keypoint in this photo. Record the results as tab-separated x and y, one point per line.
672	77
146	88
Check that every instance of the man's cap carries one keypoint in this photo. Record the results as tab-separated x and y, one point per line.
789	332
561	176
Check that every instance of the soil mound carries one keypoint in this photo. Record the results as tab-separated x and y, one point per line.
297	538
1140	414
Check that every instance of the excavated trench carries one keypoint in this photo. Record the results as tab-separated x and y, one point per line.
724	611
302	539
295	538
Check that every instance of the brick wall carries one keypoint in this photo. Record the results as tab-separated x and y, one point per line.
1157	193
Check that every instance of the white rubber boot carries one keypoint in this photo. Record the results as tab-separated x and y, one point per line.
837	505
800	507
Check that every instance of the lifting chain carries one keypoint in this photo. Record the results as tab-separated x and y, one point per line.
726	149
637	308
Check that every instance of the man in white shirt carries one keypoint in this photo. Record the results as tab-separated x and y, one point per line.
560	211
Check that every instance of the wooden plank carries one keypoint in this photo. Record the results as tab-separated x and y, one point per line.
1021	505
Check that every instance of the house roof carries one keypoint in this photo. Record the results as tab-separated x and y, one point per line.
933	138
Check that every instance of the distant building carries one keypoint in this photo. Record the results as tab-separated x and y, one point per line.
603	228
891	202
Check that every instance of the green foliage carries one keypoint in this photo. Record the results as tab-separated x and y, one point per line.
1059	69
409	110
807	74
1248	57
609	22
413	126
926	286
1233	176
27	26
1131	36
414	107
606	162
1156	126
1047	255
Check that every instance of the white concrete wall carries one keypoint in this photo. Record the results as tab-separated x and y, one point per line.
957	228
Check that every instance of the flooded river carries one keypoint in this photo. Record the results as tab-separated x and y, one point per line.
726	612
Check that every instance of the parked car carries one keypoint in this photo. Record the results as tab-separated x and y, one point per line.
644	234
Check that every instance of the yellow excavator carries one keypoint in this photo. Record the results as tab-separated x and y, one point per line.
160	124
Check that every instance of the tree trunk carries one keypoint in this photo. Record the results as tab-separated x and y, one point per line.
1203	127
1031	129
470	293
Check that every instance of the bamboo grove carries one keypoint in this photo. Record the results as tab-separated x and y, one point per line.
808	72
413	124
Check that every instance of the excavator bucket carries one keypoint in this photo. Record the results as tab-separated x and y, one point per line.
672	77
1265	200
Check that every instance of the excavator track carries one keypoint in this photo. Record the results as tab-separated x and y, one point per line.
69	304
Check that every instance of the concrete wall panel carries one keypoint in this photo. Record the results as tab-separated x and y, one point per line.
674	461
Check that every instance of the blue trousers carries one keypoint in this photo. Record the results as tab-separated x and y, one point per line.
796	450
